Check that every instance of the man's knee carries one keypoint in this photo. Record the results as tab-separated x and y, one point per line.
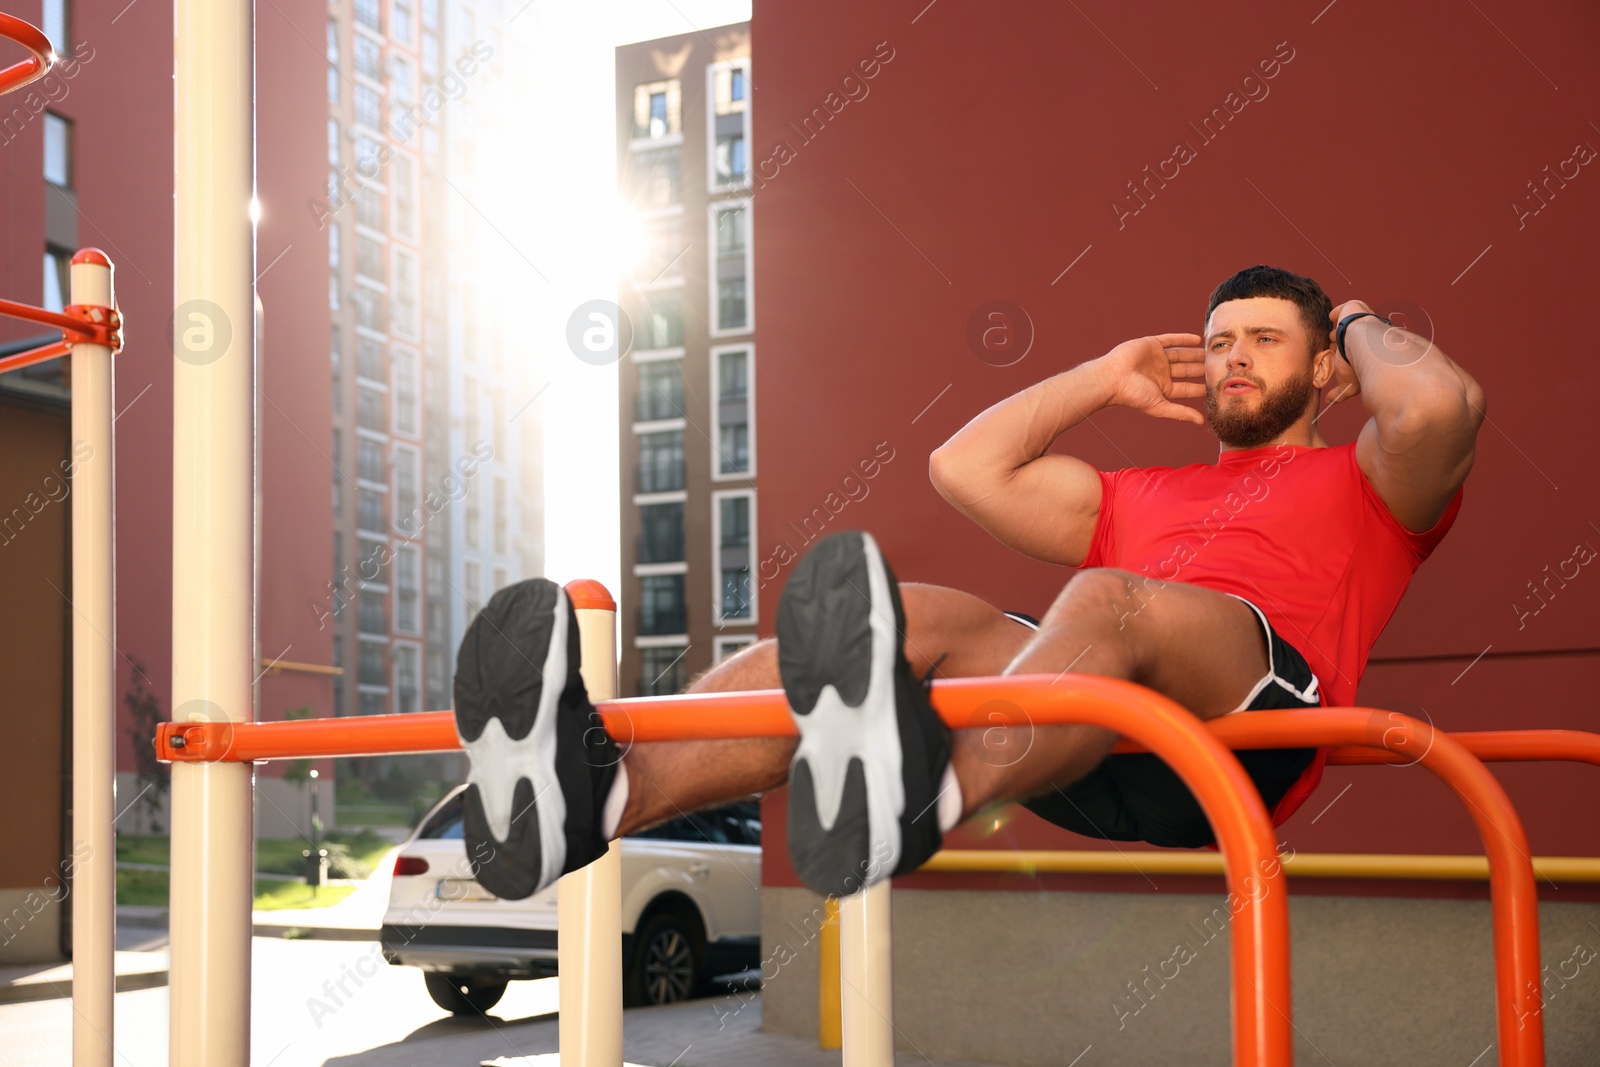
1105	594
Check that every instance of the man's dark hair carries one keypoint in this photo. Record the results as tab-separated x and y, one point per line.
1315	307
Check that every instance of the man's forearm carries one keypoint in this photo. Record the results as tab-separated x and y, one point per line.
1021	428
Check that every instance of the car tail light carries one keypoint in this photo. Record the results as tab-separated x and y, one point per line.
410	865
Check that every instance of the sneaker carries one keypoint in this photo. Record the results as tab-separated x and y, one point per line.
872	752
541	767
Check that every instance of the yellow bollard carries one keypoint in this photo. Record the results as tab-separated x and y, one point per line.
830	1028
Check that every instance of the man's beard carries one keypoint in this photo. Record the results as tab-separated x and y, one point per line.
1279	410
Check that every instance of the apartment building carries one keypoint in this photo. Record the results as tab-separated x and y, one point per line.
430	485
688	447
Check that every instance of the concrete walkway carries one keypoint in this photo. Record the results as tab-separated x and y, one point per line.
697	1033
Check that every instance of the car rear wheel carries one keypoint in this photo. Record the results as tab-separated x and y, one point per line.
668	958
464	994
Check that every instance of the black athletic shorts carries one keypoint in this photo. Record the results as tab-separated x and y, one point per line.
1137	797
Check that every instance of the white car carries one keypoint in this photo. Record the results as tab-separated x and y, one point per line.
691	910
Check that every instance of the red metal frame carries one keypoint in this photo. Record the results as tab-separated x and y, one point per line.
1361	736
35	66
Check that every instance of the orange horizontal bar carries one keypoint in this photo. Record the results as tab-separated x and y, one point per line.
760	713
42	354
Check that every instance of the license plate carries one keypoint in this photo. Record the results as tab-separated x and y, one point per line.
460	889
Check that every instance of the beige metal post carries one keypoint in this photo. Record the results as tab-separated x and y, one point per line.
94	679
867	976
589	901
213	587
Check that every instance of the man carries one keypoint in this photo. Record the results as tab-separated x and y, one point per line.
1259	581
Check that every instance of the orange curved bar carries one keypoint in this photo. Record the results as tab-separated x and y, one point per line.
1514	901
35	66
1496	746
1262	1033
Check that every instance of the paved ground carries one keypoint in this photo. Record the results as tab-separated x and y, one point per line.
382	1017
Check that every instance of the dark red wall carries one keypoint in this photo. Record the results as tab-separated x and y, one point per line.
1384	159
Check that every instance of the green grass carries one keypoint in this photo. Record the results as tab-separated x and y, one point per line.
150	887
377	813
355	853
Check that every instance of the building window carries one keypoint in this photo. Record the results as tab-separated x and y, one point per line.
406	419
369	108
333	143
369	460
373	614
661	324
369	258
333	61
470	423
734	524
54	25
370	363
473	592
660	533
407	684
374	669
338	679
657	110
660	390
338	484
663	249
335	259
407	618
400	20
474	517
732	269
369	14
369	309
662	671
404	304
657	178
57	150
730	127
369	208
497	421
370	511
661	461
661	605
501	516
336	358
502	578
731	370
375	703
728	646
405	491
57	278
372	411
373	567
404	173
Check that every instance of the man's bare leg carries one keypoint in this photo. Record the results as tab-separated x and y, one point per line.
1201	648
965	635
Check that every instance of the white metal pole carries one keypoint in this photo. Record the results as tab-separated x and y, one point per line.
867	978
213	603
94	678
589	901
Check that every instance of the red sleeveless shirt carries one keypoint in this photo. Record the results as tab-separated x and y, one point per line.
1296	530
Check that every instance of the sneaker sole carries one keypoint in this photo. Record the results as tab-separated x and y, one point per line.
510	674
839	626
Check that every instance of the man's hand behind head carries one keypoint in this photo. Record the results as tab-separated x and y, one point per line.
1149	373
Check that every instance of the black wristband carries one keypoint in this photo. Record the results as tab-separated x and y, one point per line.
1338	335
